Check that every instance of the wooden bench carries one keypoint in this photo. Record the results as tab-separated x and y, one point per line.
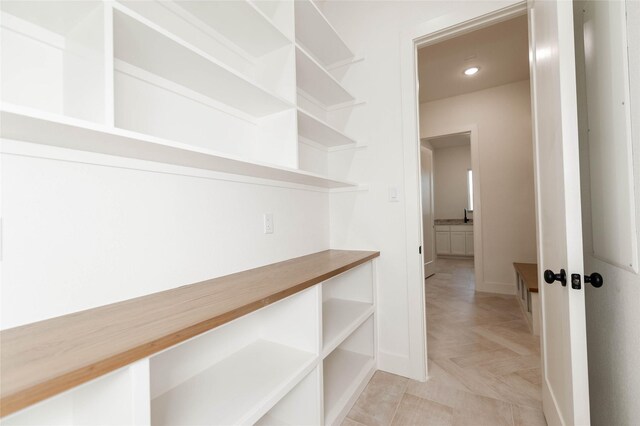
527	283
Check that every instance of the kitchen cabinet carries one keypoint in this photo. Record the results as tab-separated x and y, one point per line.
454	240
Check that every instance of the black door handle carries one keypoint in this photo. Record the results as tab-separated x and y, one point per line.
550	277
595	279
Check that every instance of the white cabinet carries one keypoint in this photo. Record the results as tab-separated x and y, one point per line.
455	240
457	243
443	242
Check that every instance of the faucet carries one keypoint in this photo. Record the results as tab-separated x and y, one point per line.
465	216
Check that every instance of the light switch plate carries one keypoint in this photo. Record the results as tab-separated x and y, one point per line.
394	194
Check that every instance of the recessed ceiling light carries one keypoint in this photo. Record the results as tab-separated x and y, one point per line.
471	71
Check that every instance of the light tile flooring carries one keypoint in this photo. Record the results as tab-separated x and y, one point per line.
484	364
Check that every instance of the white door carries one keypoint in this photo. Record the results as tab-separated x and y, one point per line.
565	387
608	75
428	238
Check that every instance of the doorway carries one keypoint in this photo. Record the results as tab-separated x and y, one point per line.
448	207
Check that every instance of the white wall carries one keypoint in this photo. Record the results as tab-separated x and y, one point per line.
450	166
99	229
503	117
368	219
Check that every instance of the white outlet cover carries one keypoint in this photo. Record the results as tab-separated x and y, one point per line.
268	223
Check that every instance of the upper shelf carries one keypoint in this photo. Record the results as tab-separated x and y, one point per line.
46	358
27	125
315	33
149	47
257	35
316	81
313	128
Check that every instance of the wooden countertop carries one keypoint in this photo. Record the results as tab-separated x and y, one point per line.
529	274
42	359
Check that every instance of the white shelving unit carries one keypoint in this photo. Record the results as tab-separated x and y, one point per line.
210	85
302	360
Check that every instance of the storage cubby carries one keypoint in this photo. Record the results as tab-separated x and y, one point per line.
53	57
346	371
347	301
167	88
105	401
300	407
259	51
236	373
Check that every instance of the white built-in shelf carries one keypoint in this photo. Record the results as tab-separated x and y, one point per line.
24	124
340	318
316	34
316	82
257	35
145	45
312	128
237	390
344	373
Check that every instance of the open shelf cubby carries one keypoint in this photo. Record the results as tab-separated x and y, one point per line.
347	301
313	128
346	371
53	57
145	45
236	373
315	81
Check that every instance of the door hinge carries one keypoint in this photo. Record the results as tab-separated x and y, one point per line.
420	250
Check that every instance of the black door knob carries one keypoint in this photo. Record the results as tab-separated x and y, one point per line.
550	277
595	279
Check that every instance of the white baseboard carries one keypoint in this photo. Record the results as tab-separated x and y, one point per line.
394	363
499	288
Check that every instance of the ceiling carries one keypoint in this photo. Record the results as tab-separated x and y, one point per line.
501	52
448	141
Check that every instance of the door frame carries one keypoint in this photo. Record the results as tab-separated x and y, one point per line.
478	264
474	16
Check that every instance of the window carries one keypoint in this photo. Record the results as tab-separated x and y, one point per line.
470	190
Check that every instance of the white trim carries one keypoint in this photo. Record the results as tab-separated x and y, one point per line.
473	16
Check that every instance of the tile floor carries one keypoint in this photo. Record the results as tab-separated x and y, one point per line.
484	364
